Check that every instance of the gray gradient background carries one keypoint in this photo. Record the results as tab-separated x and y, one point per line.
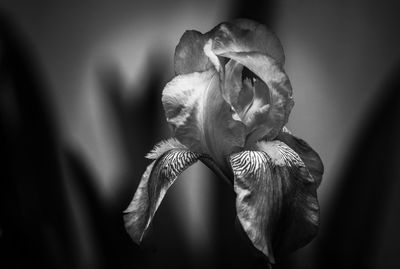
338	55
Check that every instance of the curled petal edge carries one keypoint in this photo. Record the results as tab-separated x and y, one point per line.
199	116
240	35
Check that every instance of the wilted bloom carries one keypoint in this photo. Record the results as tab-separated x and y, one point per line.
228	106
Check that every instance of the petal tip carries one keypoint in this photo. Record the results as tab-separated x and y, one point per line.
131	229
189	55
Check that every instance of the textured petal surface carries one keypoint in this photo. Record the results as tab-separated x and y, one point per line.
201	119
250	44
268	111
309	156
244	35
276	199
247	94
262	104
240	35
156	180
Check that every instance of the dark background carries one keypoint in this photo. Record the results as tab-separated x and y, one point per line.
80	88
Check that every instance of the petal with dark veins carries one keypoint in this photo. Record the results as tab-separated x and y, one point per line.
276	199
172	159
309	156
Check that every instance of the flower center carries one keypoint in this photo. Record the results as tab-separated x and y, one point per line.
247	94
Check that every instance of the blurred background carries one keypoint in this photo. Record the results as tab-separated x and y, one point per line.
80	89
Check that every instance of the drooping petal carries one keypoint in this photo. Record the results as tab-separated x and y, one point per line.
276	198
171	159
200	117
268	110
309	156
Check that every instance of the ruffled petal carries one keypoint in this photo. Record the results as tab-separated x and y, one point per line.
200	117
240	35
171	159
245	35
309	156
248	44
276	199
247	94
268	109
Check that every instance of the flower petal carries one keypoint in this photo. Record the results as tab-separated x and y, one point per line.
200	117
249	44
270	113
309	156
276	198
247	94
253	46
245	35
189	53
240	35
172	158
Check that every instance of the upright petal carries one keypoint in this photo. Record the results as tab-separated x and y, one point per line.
200	117
247	94
268	110
276	198
243	35
171	159
248	45
189	53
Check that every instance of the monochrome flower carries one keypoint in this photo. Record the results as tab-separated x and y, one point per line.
228	105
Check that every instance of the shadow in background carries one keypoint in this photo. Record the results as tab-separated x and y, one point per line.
36	227
362	226
139	127
51	215
260	11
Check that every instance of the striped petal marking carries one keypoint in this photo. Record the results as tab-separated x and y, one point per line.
169	163
276	198
309	156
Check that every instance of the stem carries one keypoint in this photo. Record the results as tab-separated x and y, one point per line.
209	162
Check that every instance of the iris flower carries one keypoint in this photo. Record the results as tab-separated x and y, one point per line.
228	105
